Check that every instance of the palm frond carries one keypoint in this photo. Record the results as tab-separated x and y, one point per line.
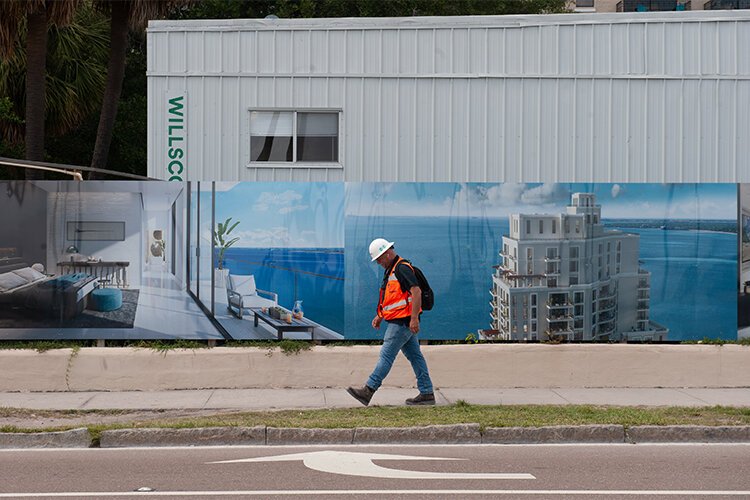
142	11
76	71
13	14
145	10
61	12
233	226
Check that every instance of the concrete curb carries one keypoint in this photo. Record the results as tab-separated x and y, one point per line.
688	434
555	434
290	436
208	436
431	434
74	438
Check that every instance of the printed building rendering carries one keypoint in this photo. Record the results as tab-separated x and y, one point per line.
566	277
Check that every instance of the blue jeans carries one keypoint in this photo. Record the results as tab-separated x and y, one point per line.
398	337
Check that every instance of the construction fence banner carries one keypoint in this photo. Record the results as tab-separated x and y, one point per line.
510	262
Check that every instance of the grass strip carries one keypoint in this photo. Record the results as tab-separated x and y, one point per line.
391	416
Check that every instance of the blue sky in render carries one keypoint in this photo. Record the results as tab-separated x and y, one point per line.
628	201
283	214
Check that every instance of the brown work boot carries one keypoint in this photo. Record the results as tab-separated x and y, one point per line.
363	395
422	399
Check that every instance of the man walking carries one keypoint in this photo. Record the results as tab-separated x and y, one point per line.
400	305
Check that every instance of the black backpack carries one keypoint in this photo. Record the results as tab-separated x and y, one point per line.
428	297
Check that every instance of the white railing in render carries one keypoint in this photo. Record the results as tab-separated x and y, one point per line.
518	280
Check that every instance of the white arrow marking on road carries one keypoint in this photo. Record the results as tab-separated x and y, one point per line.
360	464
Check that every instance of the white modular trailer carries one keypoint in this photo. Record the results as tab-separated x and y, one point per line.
626	97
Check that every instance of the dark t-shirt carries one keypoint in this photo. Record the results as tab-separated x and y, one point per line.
407	280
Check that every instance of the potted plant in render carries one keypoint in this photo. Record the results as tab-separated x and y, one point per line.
222	242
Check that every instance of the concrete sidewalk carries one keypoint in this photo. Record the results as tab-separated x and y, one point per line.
276	399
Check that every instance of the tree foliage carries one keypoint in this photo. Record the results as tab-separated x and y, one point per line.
37	16
128	148
7	149
14	14
76	65
230	9
125	15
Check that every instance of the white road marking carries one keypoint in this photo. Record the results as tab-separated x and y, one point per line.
275	447
360	464
246	493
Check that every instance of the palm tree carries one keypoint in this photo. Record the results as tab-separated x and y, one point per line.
124	15
76	72
36	63
37	14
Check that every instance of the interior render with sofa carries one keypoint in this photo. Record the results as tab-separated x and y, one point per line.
121	260
95	260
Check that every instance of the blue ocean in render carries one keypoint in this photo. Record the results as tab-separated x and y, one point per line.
313	275
693	273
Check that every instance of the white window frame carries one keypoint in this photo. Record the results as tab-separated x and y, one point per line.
294	163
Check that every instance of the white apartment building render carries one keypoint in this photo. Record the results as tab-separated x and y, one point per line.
566	277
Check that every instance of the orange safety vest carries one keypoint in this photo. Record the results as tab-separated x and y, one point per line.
394	303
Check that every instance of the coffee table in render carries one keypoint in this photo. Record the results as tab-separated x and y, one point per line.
281	326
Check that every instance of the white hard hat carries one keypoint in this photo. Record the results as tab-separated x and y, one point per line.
378	247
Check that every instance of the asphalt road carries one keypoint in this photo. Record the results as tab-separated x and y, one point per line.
544	471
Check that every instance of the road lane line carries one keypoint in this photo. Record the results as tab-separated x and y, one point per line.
254	447
125	494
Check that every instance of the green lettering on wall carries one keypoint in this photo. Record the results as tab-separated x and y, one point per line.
175	123
176	103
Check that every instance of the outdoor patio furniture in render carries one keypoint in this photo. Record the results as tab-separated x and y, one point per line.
242	294
281	326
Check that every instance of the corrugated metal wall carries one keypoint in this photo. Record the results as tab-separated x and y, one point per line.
654	97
